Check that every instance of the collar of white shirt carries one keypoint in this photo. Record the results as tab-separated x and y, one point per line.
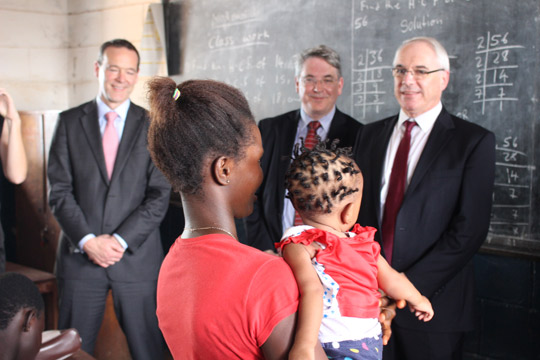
325	121
425	121
120	110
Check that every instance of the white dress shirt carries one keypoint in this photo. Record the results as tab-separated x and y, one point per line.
119	123
287	218
419	137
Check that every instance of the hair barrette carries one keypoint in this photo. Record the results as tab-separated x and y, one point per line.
176	94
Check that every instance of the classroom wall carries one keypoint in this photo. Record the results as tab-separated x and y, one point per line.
34	52
48	48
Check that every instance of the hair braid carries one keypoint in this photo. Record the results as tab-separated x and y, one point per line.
320	178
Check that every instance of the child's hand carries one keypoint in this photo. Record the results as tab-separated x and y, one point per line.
423	309
299	352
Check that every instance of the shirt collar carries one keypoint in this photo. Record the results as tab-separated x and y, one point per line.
325	121
121	110
425	121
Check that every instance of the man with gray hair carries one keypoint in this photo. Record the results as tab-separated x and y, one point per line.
318	83
428	183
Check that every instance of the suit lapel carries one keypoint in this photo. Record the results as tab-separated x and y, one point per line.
379	153
286	147
336	126
90	124
134	123
440	135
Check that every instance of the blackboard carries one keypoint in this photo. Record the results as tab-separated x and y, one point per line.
494	58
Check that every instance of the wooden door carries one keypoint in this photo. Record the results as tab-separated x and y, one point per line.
37	231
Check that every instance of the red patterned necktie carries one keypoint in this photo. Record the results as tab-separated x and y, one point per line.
311	140
396	189
110	142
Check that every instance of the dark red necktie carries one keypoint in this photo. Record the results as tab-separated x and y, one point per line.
396	189
309	142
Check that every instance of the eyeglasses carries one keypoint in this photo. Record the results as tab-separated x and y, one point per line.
311	82
418	74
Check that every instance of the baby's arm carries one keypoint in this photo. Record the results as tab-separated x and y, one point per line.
310	308
397	286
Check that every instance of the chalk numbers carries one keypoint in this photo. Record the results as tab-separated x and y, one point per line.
367	80
495	70
512	188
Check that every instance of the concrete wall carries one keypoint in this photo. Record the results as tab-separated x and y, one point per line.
34	49
48	48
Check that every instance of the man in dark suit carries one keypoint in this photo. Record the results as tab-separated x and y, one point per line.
319	83
443	217
109	199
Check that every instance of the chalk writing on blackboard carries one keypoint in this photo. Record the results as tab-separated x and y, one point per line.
494	70
513	186
367	77
494	57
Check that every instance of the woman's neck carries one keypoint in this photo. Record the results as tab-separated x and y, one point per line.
203	218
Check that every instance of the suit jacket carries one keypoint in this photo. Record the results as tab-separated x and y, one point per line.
132	204
444	217
264	225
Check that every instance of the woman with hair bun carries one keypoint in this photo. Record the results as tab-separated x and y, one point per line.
217	298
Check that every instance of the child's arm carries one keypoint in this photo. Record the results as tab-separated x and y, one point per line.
397	286
310	308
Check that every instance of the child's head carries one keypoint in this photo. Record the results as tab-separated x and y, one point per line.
323	181
21	317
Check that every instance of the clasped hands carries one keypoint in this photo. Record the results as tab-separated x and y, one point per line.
104	250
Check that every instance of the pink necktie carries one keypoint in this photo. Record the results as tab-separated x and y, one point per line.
110	142
396	190
311	140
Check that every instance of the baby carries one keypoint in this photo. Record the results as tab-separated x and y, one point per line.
339	271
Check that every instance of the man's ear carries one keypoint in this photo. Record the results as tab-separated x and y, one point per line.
30	319
221	169
96	69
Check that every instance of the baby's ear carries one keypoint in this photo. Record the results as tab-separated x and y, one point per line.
347	214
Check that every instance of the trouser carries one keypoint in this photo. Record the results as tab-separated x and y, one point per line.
407	344
82	305
365	349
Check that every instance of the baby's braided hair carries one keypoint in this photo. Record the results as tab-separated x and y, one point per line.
320	178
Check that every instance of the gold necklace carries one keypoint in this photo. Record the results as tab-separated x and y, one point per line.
211	227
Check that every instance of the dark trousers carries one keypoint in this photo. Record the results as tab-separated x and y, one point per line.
407	344
82	305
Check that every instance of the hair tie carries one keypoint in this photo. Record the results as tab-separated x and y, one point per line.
176	94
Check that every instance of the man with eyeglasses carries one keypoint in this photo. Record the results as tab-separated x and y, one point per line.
428	183
109	200
318	82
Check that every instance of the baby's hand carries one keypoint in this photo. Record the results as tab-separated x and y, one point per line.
299	352
423	309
